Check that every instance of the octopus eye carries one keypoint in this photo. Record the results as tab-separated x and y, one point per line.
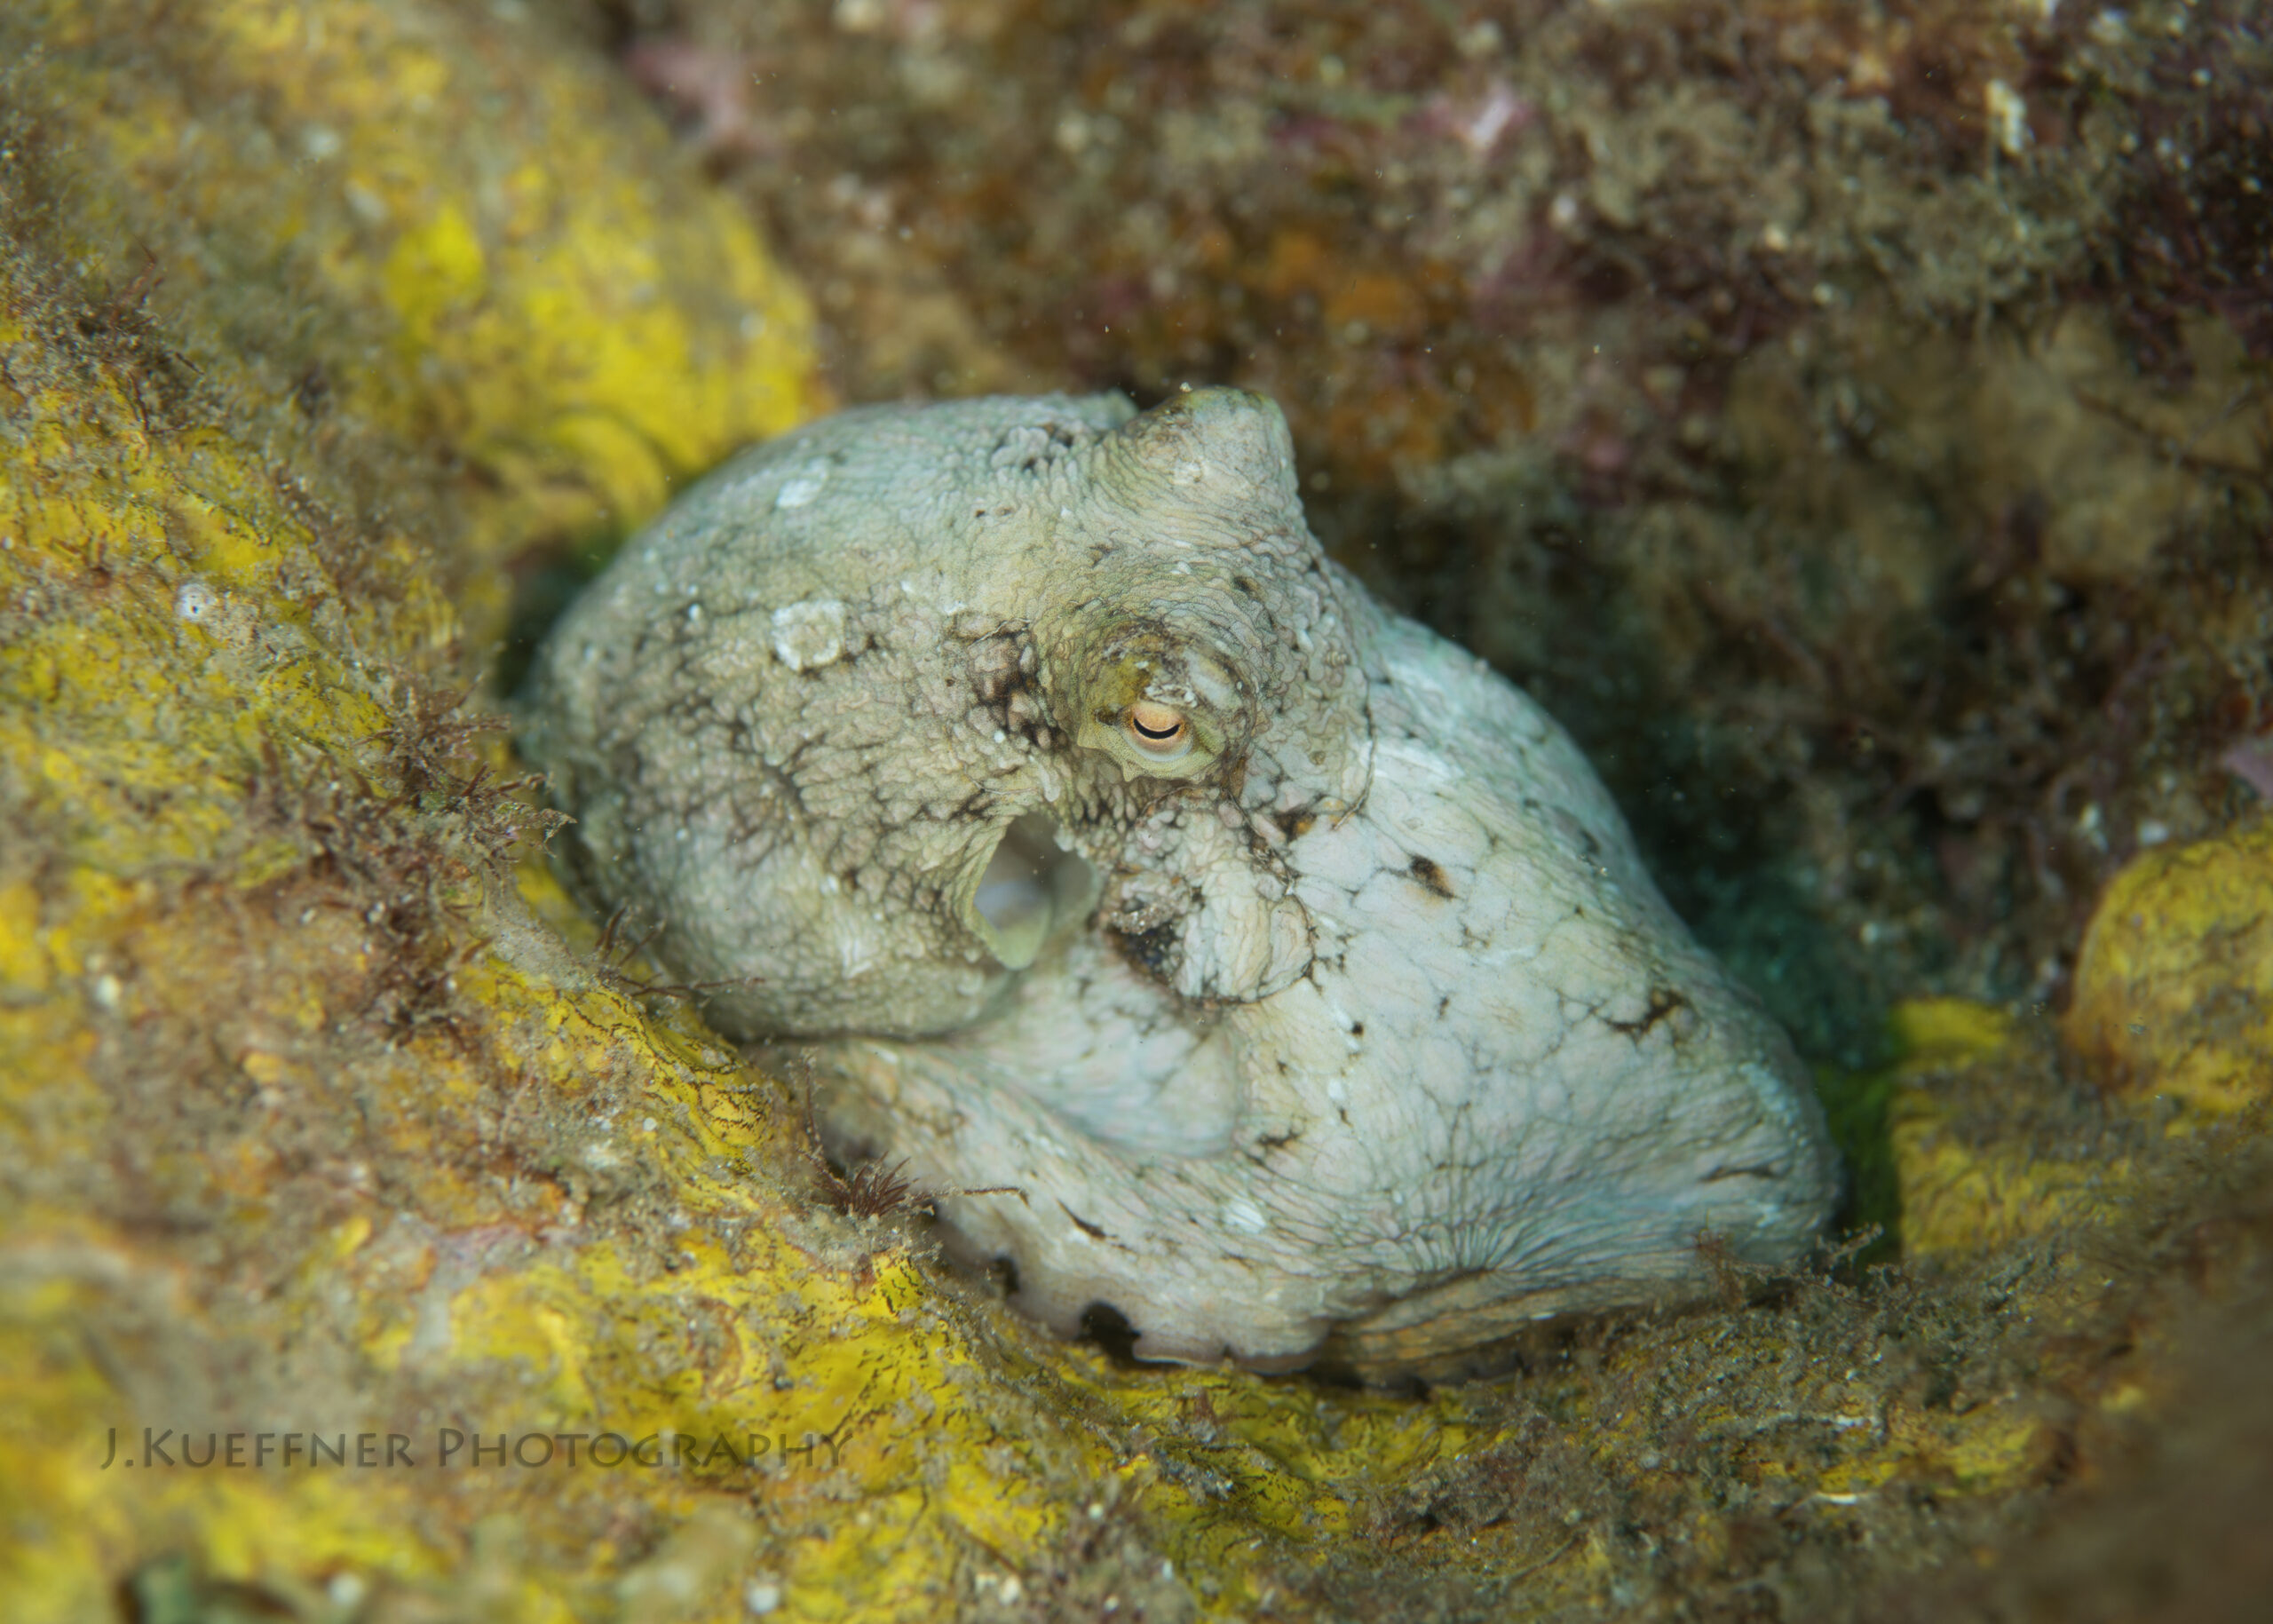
1157	730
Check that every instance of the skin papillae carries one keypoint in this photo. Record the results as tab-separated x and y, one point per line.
1029	761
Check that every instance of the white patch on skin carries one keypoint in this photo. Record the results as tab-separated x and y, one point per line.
856	955
803	487
809	635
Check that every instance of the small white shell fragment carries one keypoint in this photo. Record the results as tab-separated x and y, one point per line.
2007	117
195	602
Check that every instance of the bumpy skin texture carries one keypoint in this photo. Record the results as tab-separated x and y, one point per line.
1356	1015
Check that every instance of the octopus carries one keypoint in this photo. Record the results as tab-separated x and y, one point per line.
1261	974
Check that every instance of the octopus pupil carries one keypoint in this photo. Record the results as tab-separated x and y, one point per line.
1170	731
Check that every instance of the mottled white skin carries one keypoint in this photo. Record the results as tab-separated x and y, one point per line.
1363	1019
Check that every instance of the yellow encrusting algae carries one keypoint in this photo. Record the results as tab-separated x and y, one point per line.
2174	985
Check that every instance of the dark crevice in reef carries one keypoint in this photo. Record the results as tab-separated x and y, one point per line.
545	580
